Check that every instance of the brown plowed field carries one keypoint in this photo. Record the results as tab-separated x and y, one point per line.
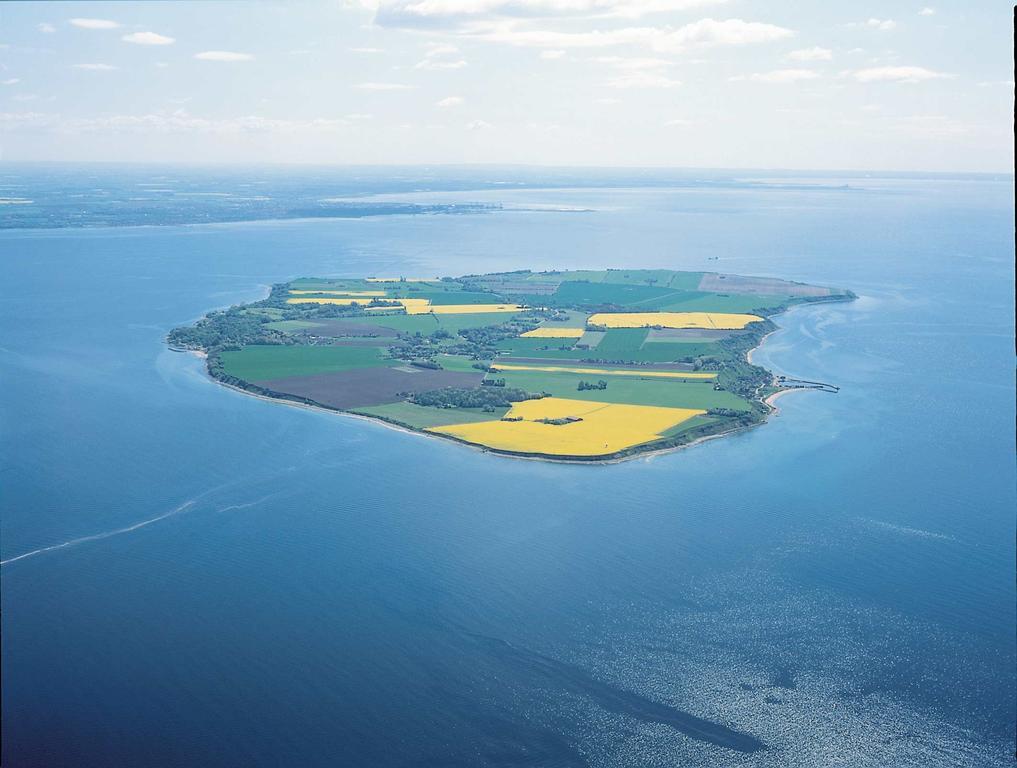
369	386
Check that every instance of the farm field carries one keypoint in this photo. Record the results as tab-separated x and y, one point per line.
598	428
626	389
582	365
708	320
422	417
257	363
690	375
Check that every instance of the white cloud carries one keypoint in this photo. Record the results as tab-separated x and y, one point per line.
440	64
94	23
706	33
94	67
897	75
437	57
633	9
46	28
382	86
633	63
435	13
223	56
607	101
162	64
927	11
367	50
148	38
440	49
678	122
780	76
551	55
359	116
811	54
637	72
12	81
16	120
643	79
882	25
449	101
478	125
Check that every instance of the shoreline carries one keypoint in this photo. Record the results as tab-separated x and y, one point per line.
480	448
769	402
647	454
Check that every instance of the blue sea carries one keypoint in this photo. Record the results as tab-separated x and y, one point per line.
194	577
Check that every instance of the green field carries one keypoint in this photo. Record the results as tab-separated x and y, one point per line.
259	363
459	363
598	294
693	423
622	341
696	301
617	344
626	389
534	348
420	417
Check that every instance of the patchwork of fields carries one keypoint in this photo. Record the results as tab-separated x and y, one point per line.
566	365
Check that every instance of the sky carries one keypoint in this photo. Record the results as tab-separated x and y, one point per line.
888	85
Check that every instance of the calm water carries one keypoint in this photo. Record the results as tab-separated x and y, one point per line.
245	583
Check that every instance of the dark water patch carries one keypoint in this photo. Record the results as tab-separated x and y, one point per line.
499	741
783	679
618	700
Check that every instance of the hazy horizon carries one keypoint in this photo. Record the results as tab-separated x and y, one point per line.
311	164
680	84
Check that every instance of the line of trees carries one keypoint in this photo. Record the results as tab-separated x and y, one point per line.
487	398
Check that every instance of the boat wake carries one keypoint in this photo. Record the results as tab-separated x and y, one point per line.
128	529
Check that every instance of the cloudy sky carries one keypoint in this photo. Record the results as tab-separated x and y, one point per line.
882	85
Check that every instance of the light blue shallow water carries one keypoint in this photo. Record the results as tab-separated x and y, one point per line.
317	590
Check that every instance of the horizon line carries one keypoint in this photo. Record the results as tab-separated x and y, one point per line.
521	166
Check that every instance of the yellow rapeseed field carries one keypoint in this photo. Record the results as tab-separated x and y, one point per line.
605	428
551	332
709	320
603	371
328	300
472	309
341	293
412	306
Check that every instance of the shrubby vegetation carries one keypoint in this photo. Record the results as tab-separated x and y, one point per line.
478	397
226	329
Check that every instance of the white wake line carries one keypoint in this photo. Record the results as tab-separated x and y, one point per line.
107	534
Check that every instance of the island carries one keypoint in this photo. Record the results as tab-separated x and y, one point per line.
579	365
